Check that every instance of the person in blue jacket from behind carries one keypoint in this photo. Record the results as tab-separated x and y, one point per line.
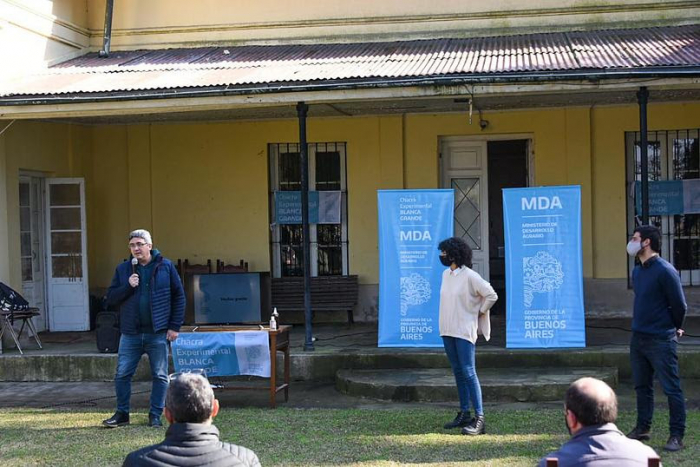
148	291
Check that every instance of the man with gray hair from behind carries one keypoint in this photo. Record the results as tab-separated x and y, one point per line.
590	411
192	439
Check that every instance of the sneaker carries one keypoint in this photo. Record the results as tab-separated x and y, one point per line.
674	443
640	434
118	419
154	421
477	427
461	420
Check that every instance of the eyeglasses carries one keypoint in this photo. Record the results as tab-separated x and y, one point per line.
195	371
137	245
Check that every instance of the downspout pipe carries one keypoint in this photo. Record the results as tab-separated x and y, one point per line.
302	111
107	35
643	99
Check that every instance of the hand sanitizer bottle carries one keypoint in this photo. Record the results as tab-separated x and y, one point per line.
273	320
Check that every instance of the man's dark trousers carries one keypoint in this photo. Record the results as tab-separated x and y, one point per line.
650	355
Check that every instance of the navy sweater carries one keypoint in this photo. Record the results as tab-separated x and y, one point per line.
167	297
659	303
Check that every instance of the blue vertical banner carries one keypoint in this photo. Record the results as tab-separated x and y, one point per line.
411	225
544	267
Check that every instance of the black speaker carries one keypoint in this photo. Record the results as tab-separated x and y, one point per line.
107	333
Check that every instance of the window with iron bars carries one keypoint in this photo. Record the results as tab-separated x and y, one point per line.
671	155
329	242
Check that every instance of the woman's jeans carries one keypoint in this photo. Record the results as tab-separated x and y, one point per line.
131	347
649	356
461	354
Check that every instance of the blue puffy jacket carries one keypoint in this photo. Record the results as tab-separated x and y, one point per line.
167	297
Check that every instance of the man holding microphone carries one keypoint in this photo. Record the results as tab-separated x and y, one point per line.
151	301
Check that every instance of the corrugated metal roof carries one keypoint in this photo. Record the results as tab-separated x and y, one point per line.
276	65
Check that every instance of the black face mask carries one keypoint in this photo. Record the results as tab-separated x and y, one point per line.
446	261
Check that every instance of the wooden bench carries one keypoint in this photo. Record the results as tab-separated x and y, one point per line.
328	293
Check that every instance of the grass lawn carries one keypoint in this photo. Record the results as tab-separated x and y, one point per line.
317	437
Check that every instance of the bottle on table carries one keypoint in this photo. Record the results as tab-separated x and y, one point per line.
273	320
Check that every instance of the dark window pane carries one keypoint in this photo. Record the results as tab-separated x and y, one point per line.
25	241
290	171
330	251
66	243
25	216
654	158
67	266
327	171
65	218
686	253
27	269
65	195
292	250
686	159
24	194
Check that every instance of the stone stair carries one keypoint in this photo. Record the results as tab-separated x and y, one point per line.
437	384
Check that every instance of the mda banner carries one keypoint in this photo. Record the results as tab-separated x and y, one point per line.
411	224
544	267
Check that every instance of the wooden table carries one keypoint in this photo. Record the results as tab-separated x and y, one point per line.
279	342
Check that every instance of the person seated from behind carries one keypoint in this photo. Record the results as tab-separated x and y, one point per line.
192	439
590	411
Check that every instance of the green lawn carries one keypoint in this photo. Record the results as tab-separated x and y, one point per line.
317	437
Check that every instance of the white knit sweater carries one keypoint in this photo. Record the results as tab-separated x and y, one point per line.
465	301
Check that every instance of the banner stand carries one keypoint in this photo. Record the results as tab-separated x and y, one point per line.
411	225
544	267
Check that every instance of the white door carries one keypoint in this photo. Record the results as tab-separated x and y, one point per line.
66	248
31	217
464	170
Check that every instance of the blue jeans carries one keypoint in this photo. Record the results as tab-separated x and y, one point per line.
131	347
649	356
461	354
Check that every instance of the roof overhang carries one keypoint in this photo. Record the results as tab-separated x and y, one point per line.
578	68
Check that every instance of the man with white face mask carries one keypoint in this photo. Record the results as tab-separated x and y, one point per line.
657	322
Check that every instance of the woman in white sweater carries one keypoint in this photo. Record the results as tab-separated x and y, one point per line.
465	301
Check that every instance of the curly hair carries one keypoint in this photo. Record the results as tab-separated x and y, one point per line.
457	250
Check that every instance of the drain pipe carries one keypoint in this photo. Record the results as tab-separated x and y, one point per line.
302	111
107	35
643	99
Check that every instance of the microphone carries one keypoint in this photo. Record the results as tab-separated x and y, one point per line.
134	262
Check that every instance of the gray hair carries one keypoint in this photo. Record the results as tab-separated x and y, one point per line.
142	233
190	398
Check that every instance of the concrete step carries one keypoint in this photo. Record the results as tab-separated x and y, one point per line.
438	384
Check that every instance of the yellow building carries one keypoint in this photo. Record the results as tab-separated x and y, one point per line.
189	125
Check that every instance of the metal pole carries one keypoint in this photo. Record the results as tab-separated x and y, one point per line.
107	35
302	111
643	98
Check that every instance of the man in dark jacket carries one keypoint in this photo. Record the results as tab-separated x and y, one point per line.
192	440
590	411
151	301
657	323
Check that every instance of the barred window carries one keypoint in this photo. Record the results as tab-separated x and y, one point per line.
329	242
672	155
